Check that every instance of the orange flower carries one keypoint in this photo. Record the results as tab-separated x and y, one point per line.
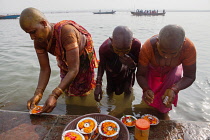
151	119
109	128
129	120
72	136
87	125
36	109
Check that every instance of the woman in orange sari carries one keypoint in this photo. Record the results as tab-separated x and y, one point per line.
73	47
167	64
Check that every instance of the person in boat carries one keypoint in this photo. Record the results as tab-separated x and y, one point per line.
119	58
167	64
73	47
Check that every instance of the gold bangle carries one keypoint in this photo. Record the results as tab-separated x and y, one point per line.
40	89
39	94
54	95
60	90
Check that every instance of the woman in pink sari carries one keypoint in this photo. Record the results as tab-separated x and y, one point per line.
167	64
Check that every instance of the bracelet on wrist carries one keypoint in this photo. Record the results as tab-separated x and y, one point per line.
54	95
175	89
39	89
39	94
60	90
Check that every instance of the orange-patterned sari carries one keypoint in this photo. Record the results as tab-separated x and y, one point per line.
84	81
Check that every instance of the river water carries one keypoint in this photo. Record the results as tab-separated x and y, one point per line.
19	67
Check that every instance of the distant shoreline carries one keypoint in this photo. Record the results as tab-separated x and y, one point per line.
119	10
79	11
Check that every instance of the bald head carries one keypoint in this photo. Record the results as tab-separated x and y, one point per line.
122	37
30	16
172	36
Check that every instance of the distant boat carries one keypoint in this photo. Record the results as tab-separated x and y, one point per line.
9	16
148	13
110	12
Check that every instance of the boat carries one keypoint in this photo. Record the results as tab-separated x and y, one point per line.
109	12
9	16
148	13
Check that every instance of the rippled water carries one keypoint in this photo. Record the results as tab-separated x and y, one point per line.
19	67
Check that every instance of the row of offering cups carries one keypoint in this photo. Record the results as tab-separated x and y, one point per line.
88	129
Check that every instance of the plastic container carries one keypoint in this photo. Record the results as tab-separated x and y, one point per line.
142	128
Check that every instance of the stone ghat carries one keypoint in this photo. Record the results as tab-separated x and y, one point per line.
23	126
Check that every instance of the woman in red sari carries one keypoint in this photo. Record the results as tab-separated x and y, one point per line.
73	47
167	64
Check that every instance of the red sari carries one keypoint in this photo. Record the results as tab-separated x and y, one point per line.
84	81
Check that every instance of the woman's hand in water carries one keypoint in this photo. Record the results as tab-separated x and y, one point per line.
98	93
50	104
34	100
148	96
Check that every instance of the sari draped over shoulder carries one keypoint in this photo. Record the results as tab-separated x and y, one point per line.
160	79
84	81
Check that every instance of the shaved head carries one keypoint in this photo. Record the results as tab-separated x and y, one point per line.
122	37
172	36
30	16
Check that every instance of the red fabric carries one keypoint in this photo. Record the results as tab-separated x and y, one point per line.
84	80
119	76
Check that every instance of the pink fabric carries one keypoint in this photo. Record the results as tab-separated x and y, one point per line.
160	79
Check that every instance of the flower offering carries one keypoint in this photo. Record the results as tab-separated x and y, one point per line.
87	125
152	119
128	120
109	130
37	109
72	135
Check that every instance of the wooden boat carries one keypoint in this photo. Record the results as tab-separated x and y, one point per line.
148	13
110	12
9	16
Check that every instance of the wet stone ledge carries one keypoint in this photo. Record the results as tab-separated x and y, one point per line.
23	126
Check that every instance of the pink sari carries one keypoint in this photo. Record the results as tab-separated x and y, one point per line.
160	79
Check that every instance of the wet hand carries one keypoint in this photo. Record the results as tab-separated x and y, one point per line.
148	96
34	101
170	94
127	60
50	104
98	93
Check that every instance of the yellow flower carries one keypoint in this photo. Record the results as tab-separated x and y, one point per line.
87	125
109	128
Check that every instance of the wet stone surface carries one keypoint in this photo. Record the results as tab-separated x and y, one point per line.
23	126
